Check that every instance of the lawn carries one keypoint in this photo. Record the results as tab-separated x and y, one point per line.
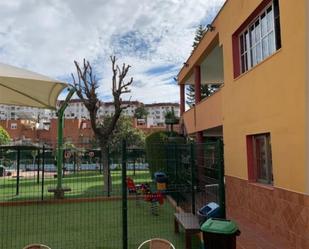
81	225
82	184
96	225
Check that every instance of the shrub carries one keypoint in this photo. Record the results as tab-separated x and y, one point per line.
4	136
158	148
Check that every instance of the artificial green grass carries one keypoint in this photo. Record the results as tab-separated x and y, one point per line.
83	225
83	184
96	225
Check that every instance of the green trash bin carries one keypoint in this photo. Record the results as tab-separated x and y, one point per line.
220	234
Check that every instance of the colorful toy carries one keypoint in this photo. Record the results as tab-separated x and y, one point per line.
143	189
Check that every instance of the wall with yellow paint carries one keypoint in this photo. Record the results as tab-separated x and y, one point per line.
268	98
271	97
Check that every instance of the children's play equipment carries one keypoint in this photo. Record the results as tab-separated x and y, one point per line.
143	191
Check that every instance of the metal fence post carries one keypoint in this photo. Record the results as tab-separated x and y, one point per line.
100	162
38	167
220	159
166	151
109	172
193	180
124	197
176	163
60	150
43	169
18	169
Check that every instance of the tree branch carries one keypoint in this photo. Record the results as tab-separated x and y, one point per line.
86	89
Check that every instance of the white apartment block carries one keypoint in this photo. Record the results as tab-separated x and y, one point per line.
77	110
157	111
10	112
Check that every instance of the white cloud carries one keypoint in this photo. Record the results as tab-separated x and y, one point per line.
46	36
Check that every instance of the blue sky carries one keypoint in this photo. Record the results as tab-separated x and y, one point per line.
154	37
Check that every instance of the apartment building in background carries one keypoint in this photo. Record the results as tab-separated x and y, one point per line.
258	51
76	131
156	111
33	124
8	112
77	110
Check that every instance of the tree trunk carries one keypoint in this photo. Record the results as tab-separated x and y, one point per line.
107	181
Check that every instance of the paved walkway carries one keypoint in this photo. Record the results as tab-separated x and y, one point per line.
253	237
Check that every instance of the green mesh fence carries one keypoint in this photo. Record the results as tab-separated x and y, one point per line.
87	217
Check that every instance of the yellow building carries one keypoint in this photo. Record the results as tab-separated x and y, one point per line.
258	51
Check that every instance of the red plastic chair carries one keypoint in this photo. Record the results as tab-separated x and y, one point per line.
131	185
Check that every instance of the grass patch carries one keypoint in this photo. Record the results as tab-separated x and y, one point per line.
96	225
82	184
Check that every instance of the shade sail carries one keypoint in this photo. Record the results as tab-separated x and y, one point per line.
25	88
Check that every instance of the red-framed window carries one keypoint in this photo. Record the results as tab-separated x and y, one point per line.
257	38
260	158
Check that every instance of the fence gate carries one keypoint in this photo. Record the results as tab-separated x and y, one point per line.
194	178
210	174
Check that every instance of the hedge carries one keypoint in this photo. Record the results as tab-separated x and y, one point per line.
157	150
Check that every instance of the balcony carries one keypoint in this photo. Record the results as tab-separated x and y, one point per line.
206	115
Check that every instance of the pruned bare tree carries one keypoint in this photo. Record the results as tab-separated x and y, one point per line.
86	86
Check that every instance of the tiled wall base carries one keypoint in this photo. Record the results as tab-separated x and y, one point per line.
276	215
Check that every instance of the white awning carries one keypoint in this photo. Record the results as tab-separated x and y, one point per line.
25	88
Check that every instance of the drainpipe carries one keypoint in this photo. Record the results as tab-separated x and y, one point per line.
197	84
199	134
197	89
307	101
182	99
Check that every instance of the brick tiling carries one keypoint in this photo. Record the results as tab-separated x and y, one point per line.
268	217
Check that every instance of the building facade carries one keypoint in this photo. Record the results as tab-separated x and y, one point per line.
157	111
77	110
8	112
76	131
33	124
258	51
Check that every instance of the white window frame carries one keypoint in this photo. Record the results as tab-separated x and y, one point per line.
84	125
250	46
13	126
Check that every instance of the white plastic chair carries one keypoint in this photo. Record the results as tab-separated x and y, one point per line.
157	243
36	246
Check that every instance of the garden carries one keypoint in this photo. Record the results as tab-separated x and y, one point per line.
83	224
90	217
77	222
